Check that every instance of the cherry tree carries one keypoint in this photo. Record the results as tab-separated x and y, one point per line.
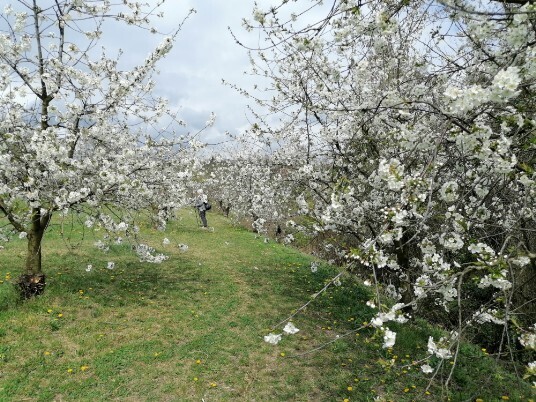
410	133
246	182
79	131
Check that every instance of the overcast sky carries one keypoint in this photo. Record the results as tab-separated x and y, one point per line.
205	53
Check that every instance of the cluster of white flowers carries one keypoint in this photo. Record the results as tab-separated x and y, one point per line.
451	241
146	254
391	172
505	84
497	280
314	267
394	314
449	191
528	339
440	349
289	238
484	253
503	87
389	338
427	369
274	339
491	315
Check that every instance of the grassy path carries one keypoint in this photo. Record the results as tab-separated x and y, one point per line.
192	328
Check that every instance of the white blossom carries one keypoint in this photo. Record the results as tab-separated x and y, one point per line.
441	352
528	340
427	369
389	338
498	281
290	329
449	191
272	338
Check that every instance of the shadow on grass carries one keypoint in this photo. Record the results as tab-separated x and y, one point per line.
130	282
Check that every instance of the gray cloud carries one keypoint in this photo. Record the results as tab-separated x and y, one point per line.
205	53
191	74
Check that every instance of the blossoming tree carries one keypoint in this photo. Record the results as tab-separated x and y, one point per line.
412	132
77	132
246	181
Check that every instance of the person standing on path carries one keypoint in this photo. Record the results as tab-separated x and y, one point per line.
200	203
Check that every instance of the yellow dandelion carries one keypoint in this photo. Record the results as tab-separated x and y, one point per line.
505	397
198	361
83	368
196	379
60	315
350	388
49	311
406	389
479	400
346	400
213	384
282	354
47	353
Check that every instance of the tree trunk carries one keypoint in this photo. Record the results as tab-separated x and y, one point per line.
403	258
32	282
33	257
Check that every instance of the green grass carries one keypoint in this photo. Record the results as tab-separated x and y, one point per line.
192	328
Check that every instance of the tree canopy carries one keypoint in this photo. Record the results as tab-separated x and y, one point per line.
77	132
407	136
